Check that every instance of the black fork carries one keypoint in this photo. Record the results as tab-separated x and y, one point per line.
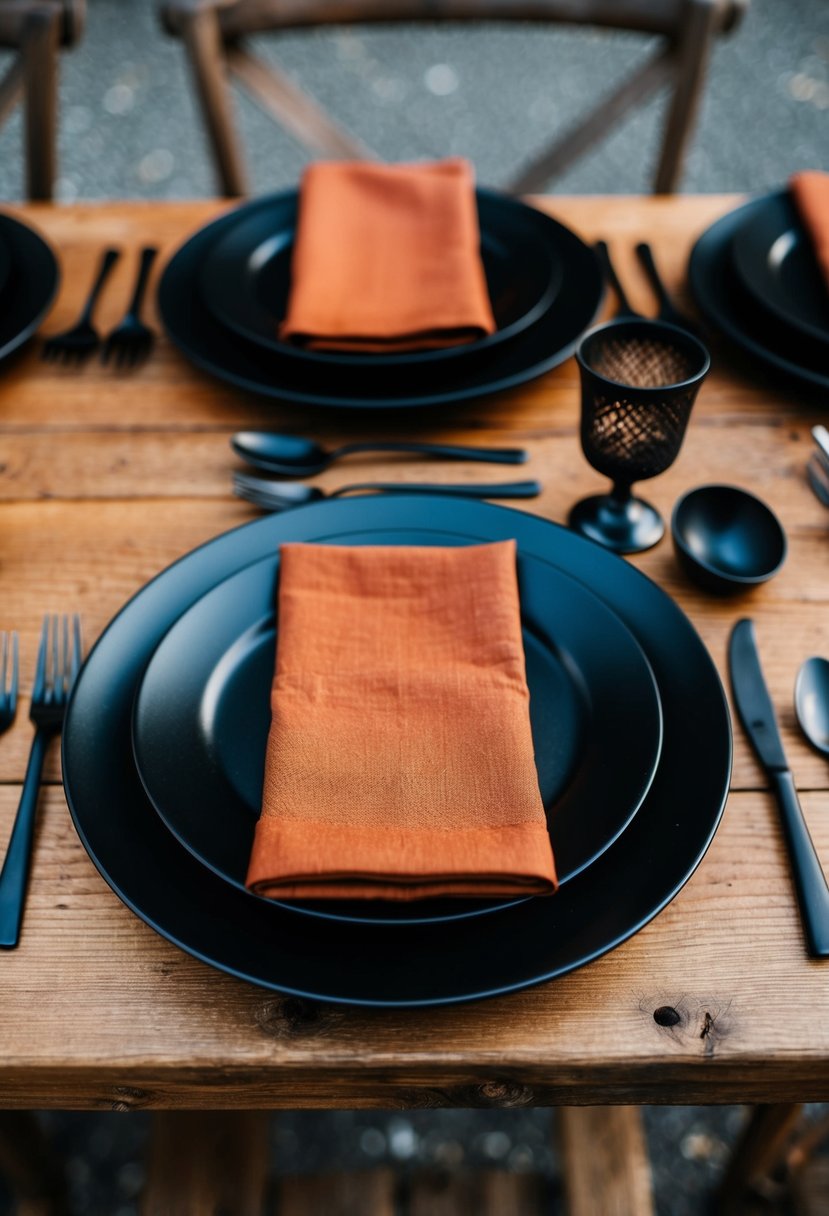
58	662
132	340
8	680
76	344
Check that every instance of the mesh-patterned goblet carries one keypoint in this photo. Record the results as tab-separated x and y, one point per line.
639	381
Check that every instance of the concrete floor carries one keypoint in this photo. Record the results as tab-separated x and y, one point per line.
129	128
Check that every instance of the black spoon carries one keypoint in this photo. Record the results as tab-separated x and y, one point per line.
297	456
811	702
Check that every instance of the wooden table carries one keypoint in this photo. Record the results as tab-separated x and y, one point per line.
107	478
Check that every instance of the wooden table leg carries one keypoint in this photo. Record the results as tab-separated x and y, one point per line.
604	1161
757	1151
204	1162
28	1164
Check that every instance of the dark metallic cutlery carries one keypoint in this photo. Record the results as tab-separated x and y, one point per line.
811	702
58	663
821	438
300	457
818	477
281	496
760	724
131	342
608	269
76	344
8	680
667	310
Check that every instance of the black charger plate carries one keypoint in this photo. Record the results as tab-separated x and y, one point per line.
202	716
5	263
271	946
31	283
730	307
192	327
246	280
774	258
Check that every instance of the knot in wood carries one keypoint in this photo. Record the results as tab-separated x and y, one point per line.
666	1015
505	1093
294	1017
126	1098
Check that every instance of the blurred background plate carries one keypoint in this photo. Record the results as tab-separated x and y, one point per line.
31	284
246	279
776	263
732	309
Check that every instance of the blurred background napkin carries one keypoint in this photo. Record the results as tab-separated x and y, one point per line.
810	191
387	257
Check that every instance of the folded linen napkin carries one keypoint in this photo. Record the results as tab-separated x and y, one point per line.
387	257
400	758
810	191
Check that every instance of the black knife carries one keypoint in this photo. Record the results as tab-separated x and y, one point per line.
757	716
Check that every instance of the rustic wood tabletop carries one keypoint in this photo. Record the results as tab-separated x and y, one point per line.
108	477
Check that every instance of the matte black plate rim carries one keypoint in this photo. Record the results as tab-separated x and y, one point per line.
692	831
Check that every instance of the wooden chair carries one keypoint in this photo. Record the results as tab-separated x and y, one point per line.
209	1161
214	31
37	30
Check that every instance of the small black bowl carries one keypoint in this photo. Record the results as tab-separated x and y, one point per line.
726	539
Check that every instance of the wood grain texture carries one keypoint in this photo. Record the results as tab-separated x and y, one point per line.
106	479
605	1163
485	1192
368	1193
203	1163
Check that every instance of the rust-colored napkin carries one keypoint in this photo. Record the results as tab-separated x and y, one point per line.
387	257
810	191
400	757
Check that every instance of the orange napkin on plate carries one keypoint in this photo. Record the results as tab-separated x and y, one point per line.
400	758
810	191
387	257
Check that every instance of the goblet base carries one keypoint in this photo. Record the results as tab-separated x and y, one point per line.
625	527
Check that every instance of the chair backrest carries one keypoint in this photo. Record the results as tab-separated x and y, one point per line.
215	33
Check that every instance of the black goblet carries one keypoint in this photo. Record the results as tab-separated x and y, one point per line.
639	381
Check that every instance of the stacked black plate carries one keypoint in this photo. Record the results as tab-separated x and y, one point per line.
165	737
223	294
28	282
755	277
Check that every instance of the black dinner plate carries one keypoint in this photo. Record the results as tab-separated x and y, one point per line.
532	941
775	260
202	716
192	327
5	265
31	284
246	279
724	301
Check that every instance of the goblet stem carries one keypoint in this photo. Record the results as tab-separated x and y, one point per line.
617	520
621	494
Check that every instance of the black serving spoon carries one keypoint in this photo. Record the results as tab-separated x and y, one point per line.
295	456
